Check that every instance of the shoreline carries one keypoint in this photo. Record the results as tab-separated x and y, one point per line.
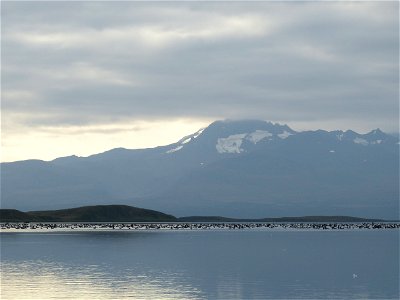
203	226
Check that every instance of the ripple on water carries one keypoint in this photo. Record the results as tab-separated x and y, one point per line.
239	264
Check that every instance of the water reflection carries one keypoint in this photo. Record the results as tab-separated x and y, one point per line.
200	265
44	280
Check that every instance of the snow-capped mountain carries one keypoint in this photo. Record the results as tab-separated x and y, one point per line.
234	168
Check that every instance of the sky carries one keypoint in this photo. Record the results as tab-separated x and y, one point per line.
84	77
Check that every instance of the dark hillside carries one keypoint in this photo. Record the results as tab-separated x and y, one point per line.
124	213
103	213
13	215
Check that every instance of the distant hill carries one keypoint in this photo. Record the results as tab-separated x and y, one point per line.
283	219
124	213
13	215
244	169
98	213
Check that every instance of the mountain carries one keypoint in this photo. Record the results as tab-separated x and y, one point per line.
97	213
242	169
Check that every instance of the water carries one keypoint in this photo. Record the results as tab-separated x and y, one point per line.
249	264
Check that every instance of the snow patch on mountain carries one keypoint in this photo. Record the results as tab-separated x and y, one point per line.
284	135
198	133
340	136
231	144
376	142
360	141
186	140
257	136
175	149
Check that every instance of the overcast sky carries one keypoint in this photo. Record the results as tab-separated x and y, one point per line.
84	77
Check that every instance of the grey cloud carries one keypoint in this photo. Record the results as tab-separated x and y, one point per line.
92	62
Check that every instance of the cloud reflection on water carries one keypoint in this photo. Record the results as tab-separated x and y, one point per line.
46	280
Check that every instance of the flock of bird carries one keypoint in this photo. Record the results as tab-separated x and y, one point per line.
194	226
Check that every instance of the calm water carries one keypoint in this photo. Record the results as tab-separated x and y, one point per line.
288	264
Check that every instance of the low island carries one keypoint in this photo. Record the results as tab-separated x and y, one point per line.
123	217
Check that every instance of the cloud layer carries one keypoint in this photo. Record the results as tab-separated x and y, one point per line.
89	63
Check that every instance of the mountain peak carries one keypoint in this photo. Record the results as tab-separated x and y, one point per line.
232	136
376	131
247	125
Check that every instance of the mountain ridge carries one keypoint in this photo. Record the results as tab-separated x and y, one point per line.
226	121
243	168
